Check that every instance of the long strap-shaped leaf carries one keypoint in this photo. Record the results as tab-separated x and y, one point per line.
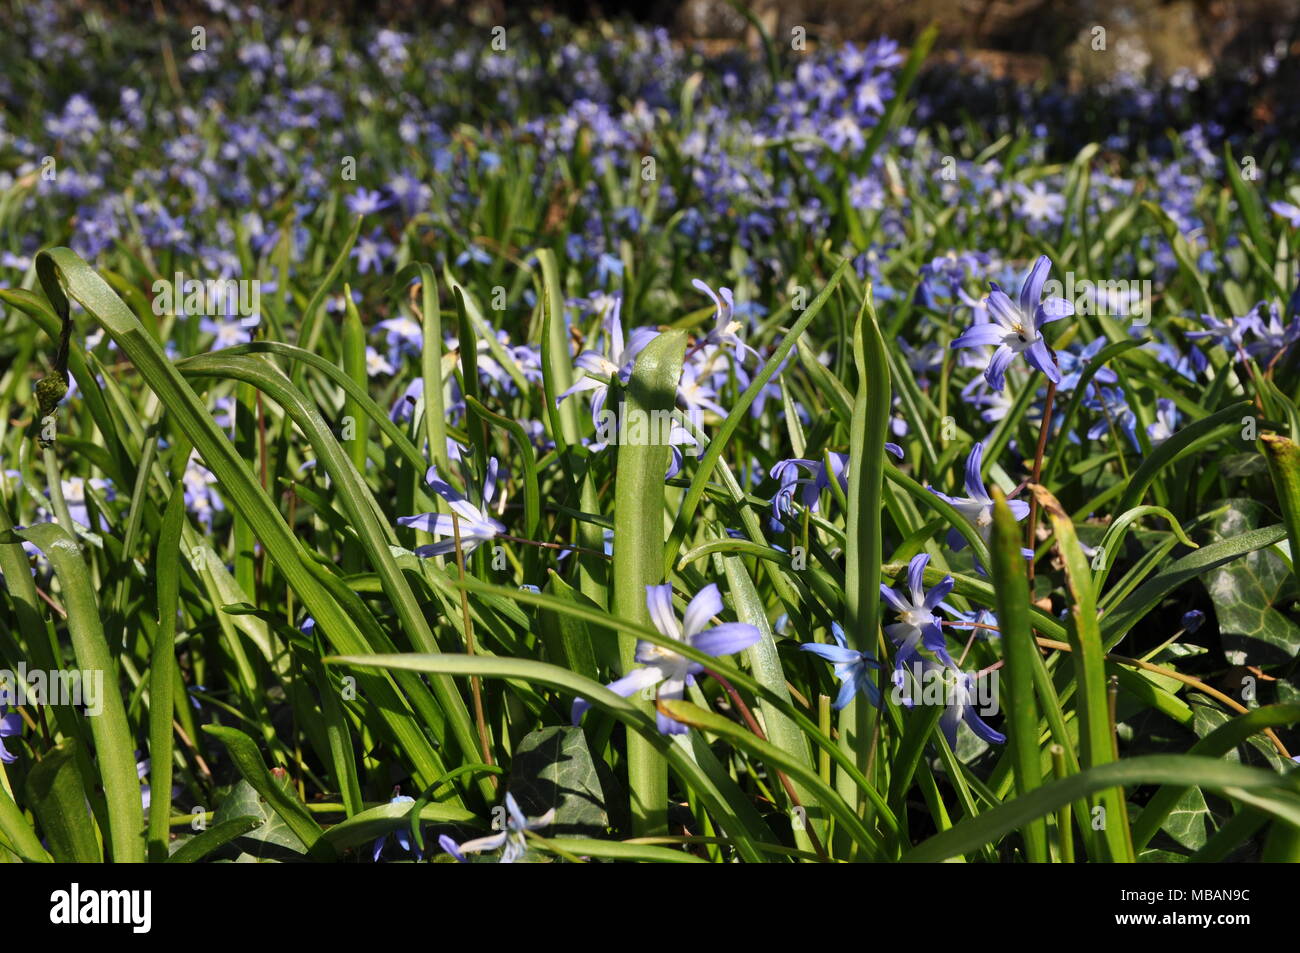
738	413
64	274
1096	734
863	549
540	673
114	743
1011	583
1262	789
638	529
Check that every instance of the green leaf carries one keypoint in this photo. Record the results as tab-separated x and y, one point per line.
552	769
1187	821
638	531
568	641
864	544
215	837
375	822
1011	584
1276	795
114	742
272	830
1096	733
56	796
281	800
1250	593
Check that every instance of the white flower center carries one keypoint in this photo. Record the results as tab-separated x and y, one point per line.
918	617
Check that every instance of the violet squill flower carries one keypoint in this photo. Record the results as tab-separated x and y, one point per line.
616	361
917	625
786	473
852	668
1016	326
513	838
476	523
402	835
661	665
367	202
1113	410
960	699
11	726
725	327
1288	211
977	505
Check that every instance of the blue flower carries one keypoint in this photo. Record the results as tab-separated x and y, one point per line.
959	696
1073	366
1039	206
367	202
476	524
1114	409
725	327
600	369
917	625
513	838
663	667
1288	211
977	506
371	251
852	668
11	726
1166	421
402	834
1016	326
786	473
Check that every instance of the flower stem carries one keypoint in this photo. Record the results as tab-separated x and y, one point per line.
476	686
59	504
757	729
1043	428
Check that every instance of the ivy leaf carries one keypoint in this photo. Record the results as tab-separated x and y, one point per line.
1206	716
1248	592
553	768
269	841
1187	821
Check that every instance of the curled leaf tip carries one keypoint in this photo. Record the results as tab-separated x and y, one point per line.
1048	501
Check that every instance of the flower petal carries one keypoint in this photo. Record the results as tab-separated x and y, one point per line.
1032	288
1039	356
706	604
916	577
981	335
997	369
1003	309
726	638
832	653
939	592
659	600
974	482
